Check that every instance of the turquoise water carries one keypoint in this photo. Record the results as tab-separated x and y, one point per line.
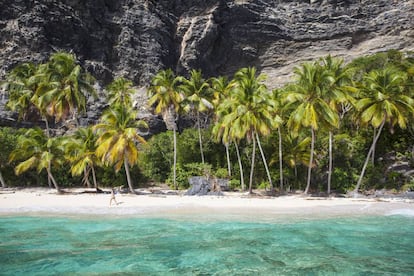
183	246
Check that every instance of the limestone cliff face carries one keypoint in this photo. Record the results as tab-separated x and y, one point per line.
136	38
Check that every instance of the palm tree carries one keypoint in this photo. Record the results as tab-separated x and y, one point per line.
310	110
21	84
38	151
3	183
221	89
56	88
118	139
277	96
250	113
120	91
296	152
80	151
197	99
164	95
64	87
222	132
337	96
384	101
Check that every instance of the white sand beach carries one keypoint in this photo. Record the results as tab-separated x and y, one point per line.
46	201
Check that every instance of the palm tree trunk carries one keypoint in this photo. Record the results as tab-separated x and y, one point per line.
265	163
280	159
49	182
200	139
310	161
47	127
226	145
128	176
175	159
3	183
252	166
240	167
50	176
330	161
371	150
86	177
296	174
94	177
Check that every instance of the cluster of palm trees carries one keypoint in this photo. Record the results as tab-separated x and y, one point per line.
59	89
316	104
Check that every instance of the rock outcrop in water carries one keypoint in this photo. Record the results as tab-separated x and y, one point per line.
137	38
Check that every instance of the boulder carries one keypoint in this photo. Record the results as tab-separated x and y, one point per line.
201	185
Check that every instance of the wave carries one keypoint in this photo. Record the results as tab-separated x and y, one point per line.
401	212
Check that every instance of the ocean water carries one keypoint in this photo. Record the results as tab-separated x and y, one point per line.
52	245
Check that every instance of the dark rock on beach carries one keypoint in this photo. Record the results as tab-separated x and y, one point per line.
201	185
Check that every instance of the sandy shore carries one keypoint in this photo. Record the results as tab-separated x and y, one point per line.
44	201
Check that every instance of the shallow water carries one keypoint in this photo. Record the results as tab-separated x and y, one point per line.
42	245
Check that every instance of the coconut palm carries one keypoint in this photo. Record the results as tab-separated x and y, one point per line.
250	113
197	98
167	100
21	84
296	152
222	132
80	151
310	109
337	95
278	109
118	139
64	87
120	92
384	101
38	151
221	89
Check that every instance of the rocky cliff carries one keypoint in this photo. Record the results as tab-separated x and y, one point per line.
136	38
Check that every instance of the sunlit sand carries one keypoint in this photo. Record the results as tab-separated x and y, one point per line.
40	200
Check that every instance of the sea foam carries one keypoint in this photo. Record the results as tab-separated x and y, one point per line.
401	212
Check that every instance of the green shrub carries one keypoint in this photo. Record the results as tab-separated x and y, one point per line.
184	172
198	169
264	185
181	178
409	186
342	180
234	184
221	173
156	159
8	142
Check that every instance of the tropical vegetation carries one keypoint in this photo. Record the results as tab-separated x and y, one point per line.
335	127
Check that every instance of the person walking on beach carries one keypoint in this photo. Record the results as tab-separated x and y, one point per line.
112	197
